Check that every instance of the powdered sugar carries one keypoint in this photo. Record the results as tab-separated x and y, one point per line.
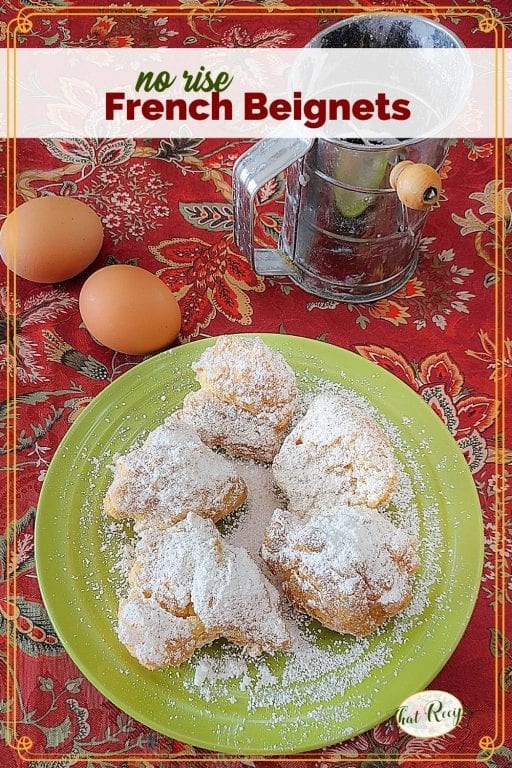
336	454
172	474
207	589
262	498
239	432
322	670
247	398
347	566
316	671
247	373
153	635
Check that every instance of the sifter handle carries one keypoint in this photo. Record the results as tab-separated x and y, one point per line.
417	185
254	168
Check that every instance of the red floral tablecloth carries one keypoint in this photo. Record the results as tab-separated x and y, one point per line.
166	205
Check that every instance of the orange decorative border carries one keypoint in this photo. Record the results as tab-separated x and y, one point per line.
487	22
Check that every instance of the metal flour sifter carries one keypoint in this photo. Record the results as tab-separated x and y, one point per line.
354	209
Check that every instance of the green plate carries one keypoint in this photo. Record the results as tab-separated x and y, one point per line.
75	567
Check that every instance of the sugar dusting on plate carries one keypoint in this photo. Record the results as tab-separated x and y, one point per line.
323	667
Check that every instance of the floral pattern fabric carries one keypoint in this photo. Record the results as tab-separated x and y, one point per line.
166	205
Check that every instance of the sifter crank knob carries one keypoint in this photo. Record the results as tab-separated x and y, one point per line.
417	185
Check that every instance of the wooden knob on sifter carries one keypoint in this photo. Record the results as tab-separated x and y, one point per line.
417	185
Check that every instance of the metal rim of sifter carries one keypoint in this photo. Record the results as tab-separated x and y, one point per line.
391	144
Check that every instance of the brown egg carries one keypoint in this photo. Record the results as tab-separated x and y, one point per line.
49	239
129	310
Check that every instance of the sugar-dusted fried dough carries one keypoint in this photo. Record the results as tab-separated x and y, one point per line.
240	433
348	567
336	454
247	398
156	637
173	474
245	372
187	588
